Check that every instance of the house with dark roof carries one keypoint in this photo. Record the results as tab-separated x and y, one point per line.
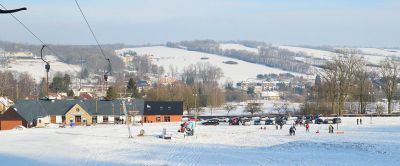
162	111
40	113
11	119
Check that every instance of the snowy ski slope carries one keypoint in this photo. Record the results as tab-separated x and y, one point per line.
373	143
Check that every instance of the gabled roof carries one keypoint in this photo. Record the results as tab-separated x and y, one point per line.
11	114
33	109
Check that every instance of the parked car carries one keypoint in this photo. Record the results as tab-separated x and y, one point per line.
319	121
194	119
234	121
223	119
308	121
257	122
328	121
211	122
280	121
337	120
269	122
245	120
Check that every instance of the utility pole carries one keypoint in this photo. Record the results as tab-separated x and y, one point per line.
195	109
80	76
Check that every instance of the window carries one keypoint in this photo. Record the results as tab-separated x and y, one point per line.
105	119
158	118
167	119
169	108
94	119
161	108
40	121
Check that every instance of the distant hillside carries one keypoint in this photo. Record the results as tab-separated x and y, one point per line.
71	54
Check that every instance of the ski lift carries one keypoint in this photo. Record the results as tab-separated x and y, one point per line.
11	11
47	67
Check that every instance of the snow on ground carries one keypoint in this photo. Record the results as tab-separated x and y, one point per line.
35	67
165	56
231	46
375	143
382	52
310	52
371	55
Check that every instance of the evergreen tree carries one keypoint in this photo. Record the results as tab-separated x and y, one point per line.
132	88
111	93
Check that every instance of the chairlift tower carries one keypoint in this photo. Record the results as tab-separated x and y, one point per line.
47	67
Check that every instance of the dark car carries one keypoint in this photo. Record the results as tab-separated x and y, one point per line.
269	122
308	121
211	122
328	121
280	121
318	121
337	120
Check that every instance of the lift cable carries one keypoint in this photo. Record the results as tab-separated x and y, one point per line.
30	31
94	36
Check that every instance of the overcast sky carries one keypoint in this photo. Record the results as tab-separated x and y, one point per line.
314	22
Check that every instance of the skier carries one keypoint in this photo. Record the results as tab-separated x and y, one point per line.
307	127
281	124
357	121
360	121
11	11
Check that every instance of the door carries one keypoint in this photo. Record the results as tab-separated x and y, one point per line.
53	119
78	120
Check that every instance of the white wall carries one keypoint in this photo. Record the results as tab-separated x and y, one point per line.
58	119
99	119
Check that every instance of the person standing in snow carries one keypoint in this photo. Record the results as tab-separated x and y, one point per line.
360	121
330	128
291	131
307	127
357	121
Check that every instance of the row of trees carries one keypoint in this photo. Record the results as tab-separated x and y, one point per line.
347	79
17	85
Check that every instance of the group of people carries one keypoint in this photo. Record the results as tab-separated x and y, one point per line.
187	128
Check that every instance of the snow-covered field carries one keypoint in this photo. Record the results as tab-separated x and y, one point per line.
165	56
231	46
35	67
375	143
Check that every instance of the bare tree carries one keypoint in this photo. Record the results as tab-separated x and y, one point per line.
229	108
253	108
339	75
389	72
364	87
